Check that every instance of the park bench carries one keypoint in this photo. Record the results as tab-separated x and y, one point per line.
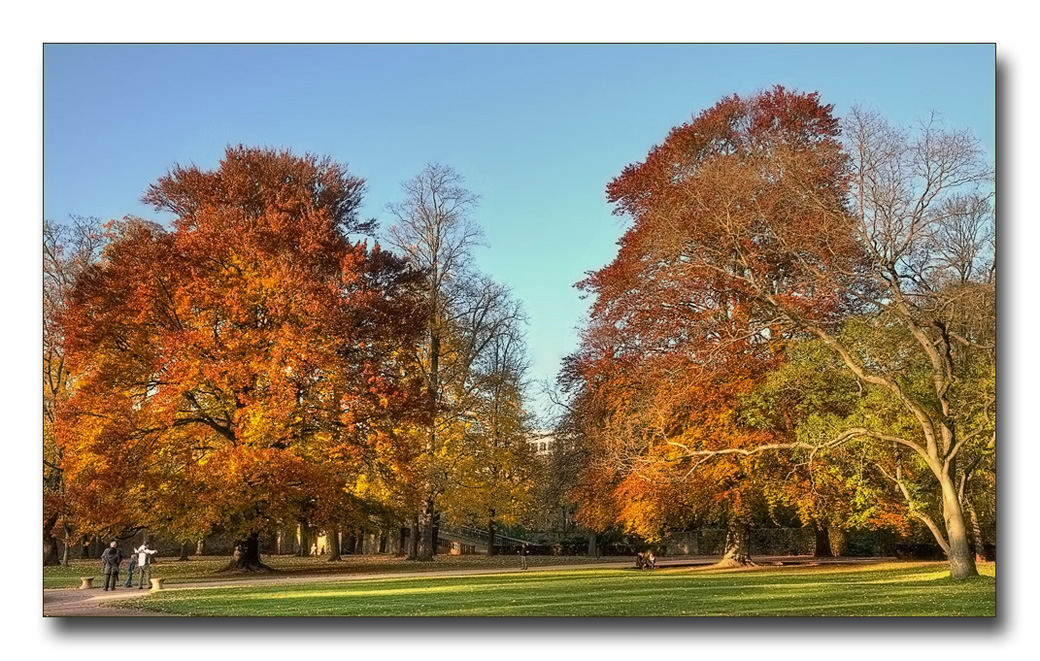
86	582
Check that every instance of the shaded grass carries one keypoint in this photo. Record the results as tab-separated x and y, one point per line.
205	569
843	590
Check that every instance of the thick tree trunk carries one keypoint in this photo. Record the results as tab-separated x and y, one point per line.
359	543
960	555
738	545
413	539
838	541
200	547
334	554
183	557
246	556
823	543
593	544
424	553
50	544
976	531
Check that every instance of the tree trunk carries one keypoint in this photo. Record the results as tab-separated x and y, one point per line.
424	552
960	555
491	533
200	547
593	544
976	531
334	554
738	545
436	533
413	539
402	542
246	556
823	543
65	551
85	547
838	541
305	539
50	544
183	557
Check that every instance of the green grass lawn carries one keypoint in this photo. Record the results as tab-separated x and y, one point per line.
849	590
205	569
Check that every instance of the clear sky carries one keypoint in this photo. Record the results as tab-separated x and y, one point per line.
537	131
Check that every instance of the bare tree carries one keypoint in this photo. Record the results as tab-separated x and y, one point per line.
433	228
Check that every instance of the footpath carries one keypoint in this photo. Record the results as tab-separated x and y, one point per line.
95	602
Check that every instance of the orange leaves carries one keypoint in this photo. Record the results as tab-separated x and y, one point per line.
736	214
246	355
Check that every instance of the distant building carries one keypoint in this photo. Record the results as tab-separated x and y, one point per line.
542	443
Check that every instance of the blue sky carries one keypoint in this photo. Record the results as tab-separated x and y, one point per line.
537	131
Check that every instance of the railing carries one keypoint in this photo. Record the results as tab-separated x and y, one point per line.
481	536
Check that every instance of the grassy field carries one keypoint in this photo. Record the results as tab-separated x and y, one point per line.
835	590
205	569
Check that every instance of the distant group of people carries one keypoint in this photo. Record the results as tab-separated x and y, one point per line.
141	559
646	560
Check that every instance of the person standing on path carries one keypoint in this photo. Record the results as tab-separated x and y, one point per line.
130	572
144	561
524	551
110	560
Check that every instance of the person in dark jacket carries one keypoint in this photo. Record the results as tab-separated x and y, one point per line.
110	561
524	552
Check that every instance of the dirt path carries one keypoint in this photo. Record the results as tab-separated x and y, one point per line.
94	602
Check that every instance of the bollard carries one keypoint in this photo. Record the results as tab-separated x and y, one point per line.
156	584
86	582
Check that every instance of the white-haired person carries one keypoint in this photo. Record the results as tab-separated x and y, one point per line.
110	560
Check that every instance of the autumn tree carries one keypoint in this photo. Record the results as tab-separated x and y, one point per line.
640	417
493	472
237	367
758	208
468	318
68	250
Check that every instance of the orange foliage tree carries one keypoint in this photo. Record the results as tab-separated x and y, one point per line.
754	225
238	368
68	250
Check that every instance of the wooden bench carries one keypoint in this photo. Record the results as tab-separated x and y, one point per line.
157	584
86	582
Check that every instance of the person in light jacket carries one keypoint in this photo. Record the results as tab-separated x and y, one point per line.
144	562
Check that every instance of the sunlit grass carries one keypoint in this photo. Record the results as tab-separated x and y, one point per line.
205	569
859	590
